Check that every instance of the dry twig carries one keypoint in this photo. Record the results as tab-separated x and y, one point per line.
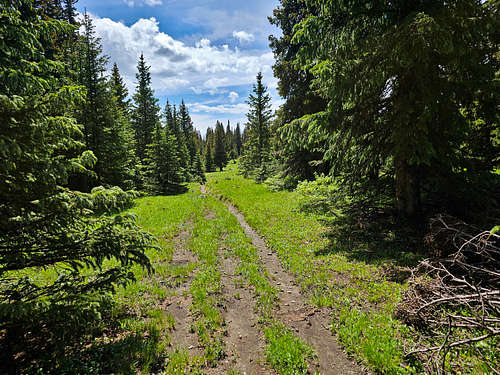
458	288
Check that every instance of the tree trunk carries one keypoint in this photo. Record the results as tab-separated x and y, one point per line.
407	188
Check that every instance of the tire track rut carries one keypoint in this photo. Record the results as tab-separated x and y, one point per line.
179	304
308	322
244	341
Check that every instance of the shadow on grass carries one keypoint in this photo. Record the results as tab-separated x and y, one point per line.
69	342
378	239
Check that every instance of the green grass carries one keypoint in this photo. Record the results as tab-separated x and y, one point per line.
285	352
344	267
333	268
357	291
134	332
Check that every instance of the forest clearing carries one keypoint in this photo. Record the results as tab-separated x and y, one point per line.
232	187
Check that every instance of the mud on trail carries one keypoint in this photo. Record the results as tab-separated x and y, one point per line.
307	321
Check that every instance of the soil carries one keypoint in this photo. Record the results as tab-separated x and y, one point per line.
178	305
244	340
310	323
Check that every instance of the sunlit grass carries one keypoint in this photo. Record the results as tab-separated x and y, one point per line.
355	290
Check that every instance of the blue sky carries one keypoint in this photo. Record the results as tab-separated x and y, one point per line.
206	52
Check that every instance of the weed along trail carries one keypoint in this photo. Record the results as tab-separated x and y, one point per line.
304	320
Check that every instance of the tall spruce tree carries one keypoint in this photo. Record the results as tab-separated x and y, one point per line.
106	126
69	11
220	155
397	77
257	150
298	154
119	89
238	140
209	150
186	125
163	168
181	144
230	144
145	113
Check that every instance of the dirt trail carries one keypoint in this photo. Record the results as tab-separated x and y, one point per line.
308	322
244	341
178	305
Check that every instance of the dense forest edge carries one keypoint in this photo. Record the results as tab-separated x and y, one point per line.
376	183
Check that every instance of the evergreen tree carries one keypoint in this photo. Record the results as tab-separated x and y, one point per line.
238	139
69	11
170	121
199	169
209	150
163	169
199	172
397	79
106	127
230	144
43	224
119	89
186	125
220	156
256	154
181	144
49	9
298	154
145	114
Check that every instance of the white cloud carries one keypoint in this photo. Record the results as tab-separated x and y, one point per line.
243	36
176	66
232	109
151	3
201	67
222	18
233	96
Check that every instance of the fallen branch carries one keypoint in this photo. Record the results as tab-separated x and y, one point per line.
459	288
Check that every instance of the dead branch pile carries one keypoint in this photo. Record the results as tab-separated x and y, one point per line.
458	290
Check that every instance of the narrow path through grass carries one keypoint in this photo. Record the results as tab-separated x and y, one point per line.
361	299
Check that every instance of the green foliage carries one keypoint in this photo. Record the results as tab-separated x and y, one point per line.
119	89
220	155
318	196
104	115
210	150
256	154
43	224
163	171
296	153
145	114
397	78
238	143
186	125
109	200
187	145
278	183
